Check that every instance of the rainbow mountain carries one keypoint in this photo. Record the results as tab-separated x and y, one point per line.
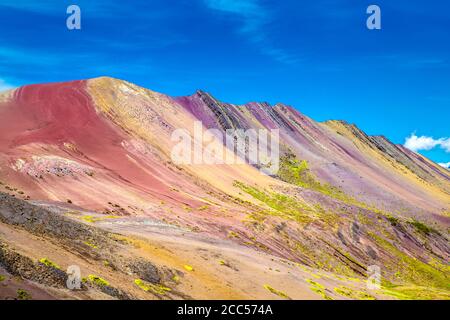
87	180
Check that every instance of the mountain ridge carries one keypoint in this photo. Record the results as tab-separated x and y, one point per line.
99	150
202	92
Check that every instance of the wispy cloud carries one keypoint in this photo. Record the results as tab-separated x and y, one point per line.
280	55
254	17
412	61
98	8
31	5
415	143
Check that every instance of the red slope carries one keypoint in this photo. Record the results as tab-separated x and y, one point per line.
54	114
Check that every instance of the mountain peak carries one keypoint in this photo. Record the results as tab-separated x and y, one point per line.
108	80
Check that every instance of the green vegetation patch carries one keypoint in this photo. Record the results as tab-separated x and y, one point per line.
49	263
232	234
297	172
319	289
415	293
188	267
90	219
23	295
394	221
154	288
353	294
422	228
97	280
276	292
93	246
411	269
281	204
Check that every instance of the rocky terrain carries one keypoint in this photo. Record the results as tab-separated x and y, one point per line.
87	180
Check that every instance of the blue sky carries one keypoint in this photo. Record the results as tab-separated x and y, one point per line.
315	55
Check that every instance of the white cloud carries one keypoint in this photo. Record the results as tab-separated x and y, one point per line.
445	144
445	165
4	86
416	143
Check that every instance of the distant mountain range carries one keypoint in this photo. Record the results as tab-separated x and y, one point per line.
94	156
